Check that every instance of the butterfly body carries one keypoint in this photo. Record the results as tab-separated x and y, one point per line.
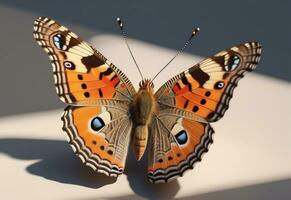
105	114
142	109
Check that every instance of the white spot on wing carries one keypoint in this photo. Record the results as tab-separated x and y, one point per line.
177	127
62	28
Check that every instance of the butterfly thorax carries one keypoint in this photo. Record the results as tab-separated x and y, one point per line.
142	109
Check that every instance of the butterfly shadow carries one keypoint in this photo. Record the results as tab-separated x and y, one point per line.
55	161
136	175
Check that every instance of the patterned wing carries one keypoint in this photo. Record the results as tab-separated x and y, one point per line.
206	88
82	75
187	103
176	143
99	135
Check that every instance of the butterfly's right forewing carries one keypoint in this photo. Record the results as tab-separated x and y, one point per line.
206	88
82	74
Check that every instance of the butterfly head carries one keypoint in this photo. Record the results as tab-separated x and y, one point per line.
146	84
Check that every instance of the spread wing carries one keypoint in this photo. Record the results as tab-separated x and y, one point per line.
100	133
188	102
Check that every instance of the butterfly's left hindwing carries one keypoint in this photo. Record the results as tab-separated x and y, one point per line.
176	143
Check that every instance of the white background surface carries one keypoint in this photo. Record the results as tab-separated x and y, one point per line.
250	157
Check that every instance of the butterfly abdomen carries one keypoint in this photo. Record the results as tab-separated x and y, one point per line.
140	140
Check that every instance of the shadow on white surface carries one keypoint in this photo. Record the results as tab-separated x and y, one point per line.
279	189
57	162
264	191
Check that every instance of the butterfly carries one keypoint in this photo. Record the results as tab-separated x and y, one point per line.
105	114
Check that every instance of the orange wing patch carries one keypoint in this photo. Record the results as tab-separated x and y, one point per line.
93	85
206	88
200	101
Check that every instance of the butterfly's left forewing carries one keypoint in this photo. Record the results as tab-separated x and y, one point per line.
187	104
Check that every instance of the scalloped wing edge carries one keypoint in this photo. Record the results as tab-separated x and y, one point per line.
173	172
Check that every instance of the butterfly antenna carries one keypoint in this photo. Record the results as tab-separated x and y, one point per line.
196	30
120	24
